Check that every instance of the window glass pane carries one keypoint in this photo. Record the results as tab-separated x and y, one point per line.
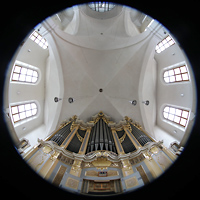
171	117
39	37
22	115
37	41
41	44
183	122
185	77
27	106
15	77
24	70
35	33
164	41
171	72
178	112
21	108
32	38
28	113
183	69
44	47
171	42
22	77
17	69
16	117
34	80
165	115
172	79
172	110
168	38
166	74
177	71
178	78
30	72
35	74
177	119
185	114
166	109
166	80
28	78
33	105
34	111
162	48
14	110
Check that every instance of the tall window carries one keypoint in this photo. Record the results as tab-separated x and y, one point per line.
164	44
23	111
101	6
176	115
177	74
24	74
38	39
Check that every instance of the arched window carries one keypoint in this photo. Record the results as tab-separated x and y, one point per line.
38	39
177	74
23	111
164	44
24	74
176	115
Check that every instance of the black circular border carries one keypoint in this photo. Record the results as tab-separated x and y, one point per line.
17	177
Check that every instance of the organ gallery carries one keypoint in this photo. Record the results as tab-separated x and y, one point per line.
100	156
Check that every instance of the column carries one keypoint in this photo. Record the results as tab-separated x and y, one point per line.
118	145
84	144
126	166
70	136
131	137
76	167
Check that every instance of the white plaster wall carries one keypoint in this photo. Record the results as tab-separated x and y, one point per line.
170	94
161	134
19	92
32	136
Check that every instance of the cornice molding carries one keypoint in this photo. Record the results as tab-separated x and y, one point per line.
96	154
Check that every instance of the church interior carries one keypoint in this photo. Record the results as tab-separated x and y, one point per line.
100	99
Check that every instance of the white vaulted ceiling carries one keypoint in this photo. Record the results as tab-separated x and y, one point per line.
108	53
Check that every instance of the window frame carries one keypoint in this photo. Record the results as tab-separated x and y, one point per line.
96	6
25	110
36	37
25	74
162	44
175	74
177	109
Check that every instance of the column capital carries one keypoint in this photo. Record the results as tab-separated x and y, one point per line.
89	128
113	128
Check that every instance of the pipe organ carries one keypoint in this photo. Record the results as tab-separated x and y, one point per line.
101	138
99	157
